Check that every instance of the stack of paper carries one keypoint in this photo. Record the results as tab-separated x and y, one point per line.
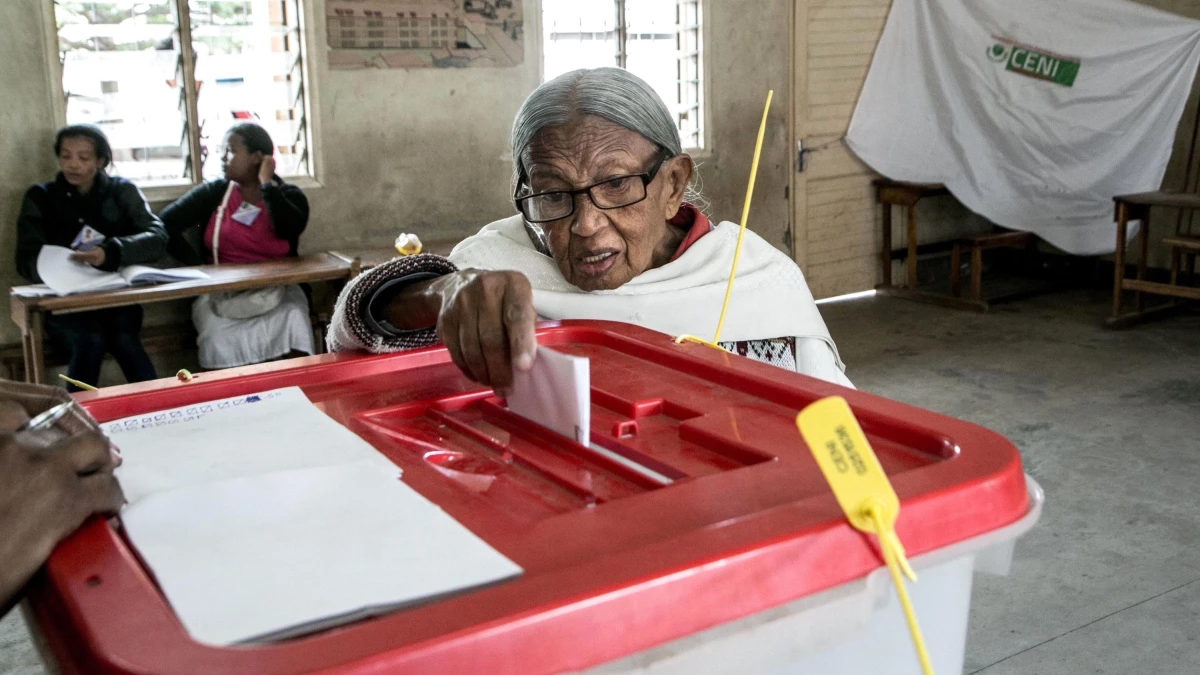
263	518
34	291
66	276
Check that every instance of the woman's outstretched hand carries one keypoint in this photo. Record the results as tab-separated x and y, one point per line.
487	323
486	320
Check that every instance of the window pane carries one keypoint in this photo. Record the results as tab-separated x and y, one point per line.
120	64
577	35
662	46
248	69
650	47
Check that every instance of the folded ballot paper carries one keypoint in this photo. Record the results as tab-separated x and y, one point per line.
557	394
262	518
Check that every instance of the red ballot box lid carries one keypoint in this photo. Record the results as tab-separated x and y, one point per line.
616	560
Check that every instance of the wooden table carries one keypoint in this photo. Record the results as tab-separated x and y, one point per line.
1137	207
27	312
889	193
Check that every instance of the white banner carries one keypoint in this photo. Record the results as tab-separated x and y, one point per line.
1034	113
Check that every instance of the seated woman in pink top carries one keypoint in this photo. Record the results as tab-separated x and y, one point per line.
248	216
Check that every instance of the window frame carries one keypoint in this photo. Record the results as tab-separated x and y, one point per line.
158	194
706	150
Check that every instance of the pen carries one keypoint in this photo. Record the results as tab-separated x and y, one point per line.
82	385
47	419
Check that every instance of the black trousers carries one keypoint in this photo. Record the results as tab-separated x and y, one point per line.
88	336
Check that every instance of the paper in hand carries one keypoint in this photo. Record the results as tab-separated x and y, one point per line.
556	393
64	275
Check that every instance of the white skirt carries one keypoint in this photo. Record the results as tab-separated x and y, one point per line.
228	343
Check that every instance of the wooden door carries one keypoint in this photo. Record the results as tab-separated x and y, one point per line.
835	232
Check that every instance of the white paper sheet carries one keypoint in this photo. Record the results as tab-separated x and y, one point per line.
288	552
66	276
556	393
242	436
261	517
34	291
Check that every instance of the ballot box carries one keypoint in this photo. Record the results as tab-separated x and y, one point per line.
693	534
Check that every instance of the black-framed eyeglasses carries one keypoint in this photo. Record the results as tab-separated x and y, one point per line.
611	193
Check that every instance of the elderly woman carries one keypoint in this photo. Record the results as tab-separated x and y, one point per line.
603	233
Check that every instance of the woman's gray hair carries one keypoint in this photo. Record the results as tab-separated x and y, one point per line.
615	94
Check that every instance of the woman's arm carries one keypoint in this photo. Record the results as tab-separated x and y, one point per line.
31	236
189	211
363	317
288	208
486	319
149	240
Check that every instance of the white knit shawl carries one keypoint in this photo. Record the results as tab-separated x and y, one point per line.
770	297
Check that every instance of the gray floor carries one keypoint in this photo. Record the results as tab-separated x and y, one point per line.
1109	424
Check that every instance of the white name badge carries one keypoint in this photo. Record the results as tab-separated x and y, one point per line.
87	239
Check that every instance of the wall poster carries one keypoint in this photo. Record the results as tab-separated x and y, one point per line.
425	33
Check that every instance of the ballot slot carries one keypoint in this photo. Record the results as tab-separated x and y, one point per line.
650	427
655	433
701	427
476	443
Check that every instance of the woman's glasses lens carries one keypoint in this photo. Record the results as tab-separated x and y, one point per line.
611	194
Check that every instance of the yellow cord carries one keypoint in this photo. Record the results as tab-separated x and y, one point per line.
896	565
737	251
77	383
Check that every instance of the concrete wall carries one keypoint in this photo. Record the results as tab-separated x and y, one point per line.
26	126
423	150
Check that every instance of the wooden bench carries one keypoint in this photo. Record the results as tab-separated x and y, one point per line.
165	339
890	193
1183	246
1184	243
977	244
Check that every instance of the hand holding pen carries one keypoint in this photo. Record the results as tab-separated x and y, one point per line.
56	470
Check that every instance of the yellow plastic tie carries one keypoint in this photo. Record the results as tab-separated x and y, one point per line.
699	340
863	491
737	250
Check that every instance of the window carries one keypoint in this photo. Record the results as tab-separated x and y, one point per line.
658	40
166	111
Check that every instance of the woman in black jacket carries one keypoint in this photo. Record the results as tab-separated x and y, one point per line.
82	205
248	216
